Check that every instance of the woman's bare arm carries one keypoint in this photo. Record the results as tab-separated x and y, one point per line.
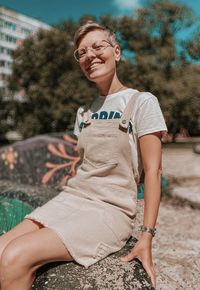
151	151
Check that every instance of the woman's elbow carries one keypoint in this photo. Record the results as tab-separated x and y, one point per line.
156	171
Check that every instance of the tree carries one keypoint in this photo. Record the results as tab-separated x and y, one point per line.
6	120
2	115
158	66
54	88
193	46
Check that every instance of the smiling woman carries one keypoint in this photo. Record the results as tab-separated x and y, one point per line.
119	134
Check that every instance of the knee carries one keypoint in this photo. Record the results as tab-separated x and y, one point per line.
12	259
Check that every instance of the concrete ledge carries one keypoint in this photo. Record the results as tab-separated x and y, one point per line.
110	273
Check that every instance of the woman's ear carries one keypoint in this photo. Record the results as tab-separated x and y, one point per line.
117	53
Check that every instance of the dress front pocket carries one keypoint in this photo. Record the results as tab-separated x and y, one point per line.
101	149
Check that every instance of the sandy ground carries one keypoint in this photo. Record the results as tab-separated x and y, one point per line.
176	247
180	163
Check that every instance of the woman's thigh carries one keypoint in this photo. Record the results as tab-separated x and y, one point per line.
37	248
26	226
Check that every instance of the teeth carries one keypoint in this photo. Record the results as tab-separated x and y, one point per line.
94	64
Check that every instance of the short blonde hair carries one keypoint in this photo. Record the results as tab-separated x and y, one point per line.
92	26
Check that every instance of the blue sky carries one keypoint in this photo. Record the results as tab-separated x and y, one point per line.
52	11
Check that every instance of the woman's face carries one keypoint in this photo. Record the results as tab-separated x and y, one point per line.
98	66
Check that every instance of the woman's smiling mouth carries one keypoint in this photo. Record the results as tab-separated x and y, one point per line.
94	65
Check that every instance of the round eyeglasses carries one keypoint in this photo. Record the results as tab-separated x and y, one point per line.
97	48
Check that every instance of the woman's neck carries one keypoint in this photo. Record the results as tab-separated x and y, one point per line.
109	88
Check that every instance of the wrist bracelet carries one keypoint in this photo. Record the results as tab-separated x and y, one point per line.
152	231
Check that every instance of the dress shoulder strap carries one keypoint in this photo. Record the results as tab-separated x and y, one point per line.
86	115
126	116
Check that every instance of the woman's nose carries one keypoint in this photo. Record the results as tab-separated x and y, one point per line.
90	53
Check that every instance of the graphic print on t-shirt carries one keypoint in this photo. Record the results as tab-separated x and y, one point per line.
105	115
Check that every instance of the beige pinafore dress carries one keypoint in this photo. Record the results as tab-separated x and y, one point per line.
94	214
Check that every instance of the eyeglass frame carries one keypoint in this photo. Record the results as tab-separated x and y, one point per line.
93	49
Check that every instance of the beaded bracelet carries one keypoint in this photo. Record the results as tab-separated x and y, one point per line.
152	231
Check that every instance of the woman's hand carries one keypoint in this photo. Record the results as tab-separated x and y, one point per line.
143	252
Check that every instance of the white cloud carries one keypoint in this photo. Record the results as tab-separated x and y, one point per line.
127	4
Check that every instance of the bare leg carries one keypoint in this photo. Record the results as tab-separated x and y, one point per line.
24	255
26	226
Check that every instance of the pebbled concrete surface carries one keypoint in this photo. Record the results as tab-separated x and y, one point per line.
110	273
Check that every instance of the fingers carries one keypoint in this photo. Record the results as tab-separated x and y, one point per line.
128	257
147	267
151	273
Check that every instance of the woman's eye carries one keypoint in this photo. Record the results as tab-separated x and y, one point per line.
82	52
98	47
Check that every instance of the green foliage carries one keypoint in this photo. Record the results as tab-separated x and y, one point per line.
158	67
54	86
6	120
3	126
185	104
193	46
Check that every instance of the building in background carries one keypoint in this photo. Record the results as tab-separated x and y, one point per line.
14	28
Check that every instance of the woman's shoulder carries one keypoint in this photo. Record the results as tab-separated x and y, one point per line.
142	98
145	95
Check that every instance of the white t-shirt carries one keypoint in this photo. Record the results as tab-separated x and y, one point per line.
147	117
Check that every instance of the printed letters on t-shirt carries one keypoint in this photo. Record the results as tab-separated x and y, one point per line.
104	115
